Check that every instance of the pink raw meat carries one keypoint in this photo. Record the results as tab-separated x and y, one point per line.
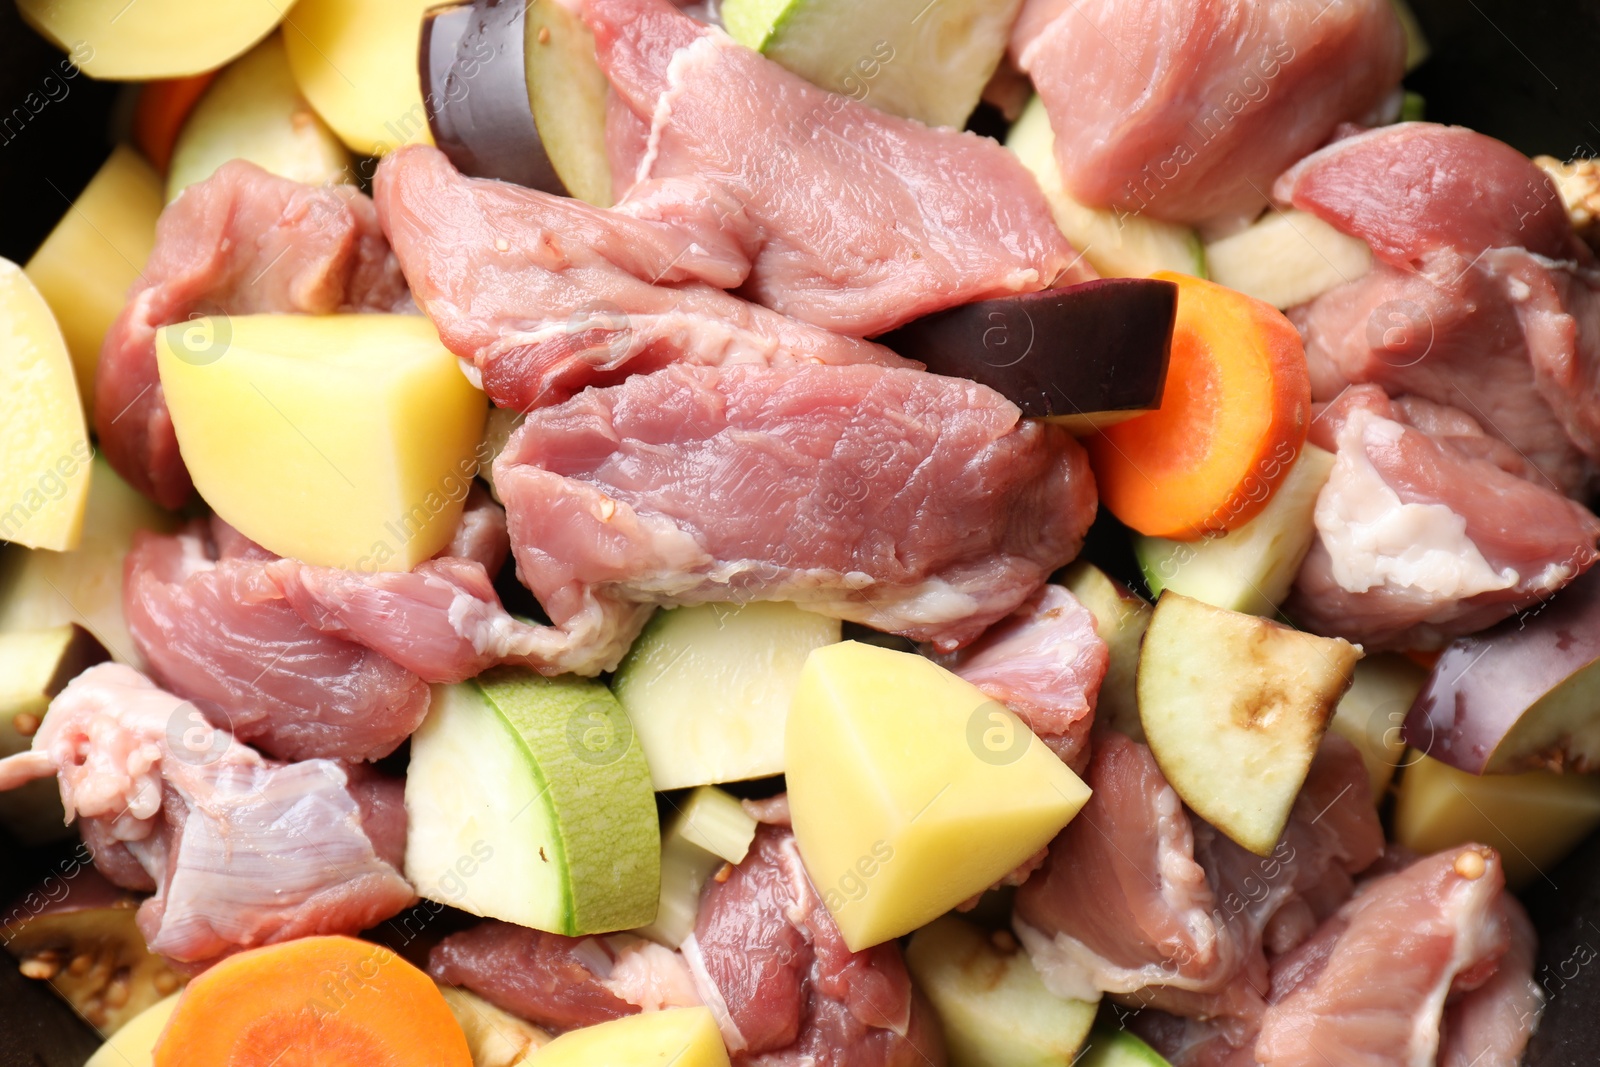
1188	110
861	220
909	502
242	241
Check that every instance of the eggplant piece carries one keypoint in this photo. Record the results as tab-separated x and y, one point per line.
514	92
76	931
1523	695
1086	356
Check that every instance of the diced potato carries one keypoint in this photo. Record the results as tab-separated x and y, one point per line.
911	790
1532	820
254	111
135	1044
44	440
152	38
41	589
676	1037
1234	708
35	665
1371	713
708	688
994	1006
91	259
495	1038
356	61
342	440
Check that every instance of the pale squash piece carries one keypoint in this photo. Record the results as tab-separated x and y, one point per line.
911	790
254	111
86	266
994	1006
356	61
1533	820
1234	708
152	38
135	1044
676	1037
342	440
44	440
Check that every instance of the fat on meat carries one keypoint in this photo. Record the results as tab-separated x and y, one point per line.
909	502
1045	662
771	964
1140	900
306	661
1490	1026
1482	297
241	851
859	220
1418	540
1188	110
241	242
546	295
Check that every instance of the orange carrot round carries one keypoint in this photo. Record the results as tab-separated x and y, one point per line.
323	1001
1233	416
160	113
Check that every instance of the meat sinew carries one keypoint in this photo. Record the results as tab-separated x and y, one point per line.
240	850
913	219
546	295
770	963
1188	111
1482	299
1419	540
242	241
1045	662
912	503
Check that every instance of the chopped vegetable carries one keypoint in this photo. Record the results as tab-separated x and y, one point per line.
993	1004
676	1037
1251	568
1287	258
567	92
341	440
923	61
356	61
254	111
1233	416
709	830
708	688
1371	713
125	41
528	800
1118	1048
135	1044
91	259
35	665
1119	244
163	107
896	766
330	1001
44	440
495	1038
717	822
1120	618
1533	819
1234	708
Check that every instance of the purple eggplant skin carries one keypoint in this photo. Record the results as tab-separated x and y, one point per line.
473	63
1089	354
1522	695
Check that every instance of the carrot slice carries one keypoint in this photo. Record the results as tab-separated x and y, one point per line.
1234	413
323	1001
159	115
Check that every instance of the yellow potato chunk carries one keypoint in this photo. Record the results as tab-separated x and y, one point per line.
1532	820
342	440
44	442
135	1044
91	259
356	61
676	1037
911	790
152	38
